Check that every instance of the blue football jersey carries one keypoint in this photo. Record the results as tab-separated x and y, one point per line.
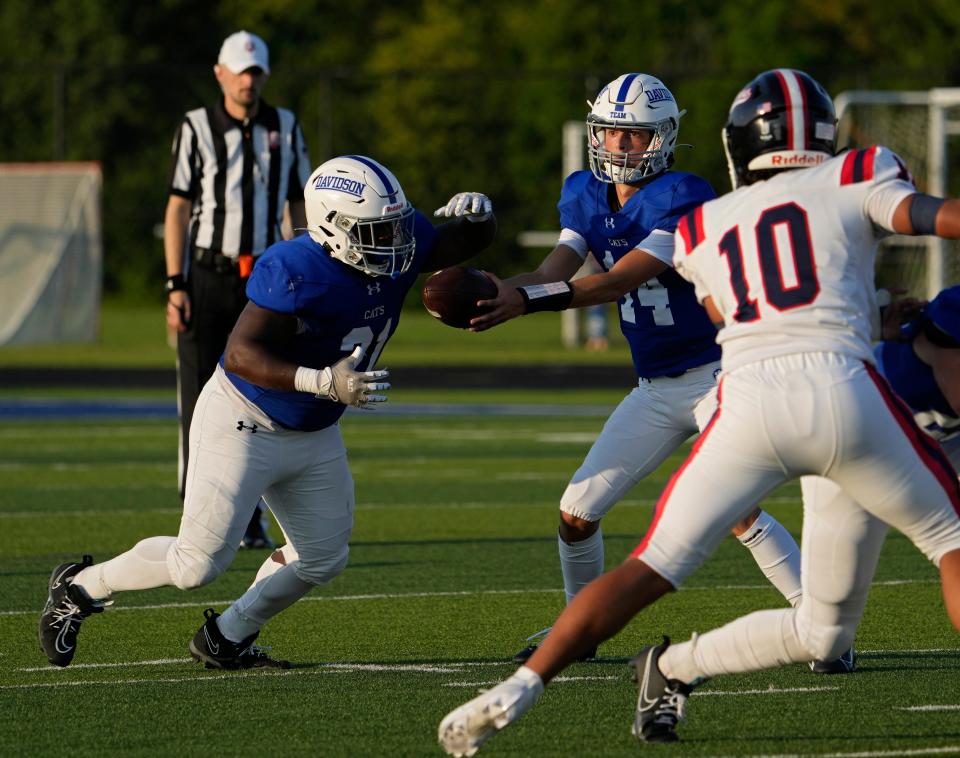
667	329
912	379
337	308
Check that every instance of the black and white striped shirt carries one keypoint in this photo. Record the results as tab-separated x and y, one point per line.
238	175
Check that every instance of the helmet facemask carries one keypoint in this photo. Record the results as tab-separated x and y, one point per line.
625	168
379	247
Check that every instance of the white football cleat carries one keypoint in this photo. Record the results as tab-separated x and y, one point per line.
466	728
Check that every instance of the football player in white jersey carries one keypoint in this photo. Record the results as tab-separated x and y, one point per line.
622	213
784	265
322	307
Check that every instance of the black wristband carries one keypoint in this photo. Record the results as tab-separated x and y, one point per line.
923	213
175	283
555	296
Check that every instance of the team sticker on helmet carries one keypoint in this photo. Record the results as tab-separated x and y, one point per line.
659	95
340	184
742	96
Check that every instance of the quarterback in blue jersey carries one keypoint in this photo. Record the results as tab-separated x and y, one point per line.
321	309
624	212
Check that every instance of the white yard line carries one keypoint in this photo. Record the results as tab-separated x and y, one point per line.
930	708
451	593
560	679
768	691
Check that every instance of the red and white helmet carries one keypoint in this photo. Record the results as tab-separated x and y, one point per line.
633	101
357	210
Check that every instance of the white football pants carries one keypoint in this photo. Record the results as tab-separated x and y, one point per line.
238	454
645	428
779	418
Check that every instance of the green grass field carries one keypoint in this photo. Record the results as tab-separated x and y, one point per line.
453	564
135	336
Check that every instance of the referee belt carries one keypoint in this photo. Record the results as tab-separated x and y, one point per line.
223	264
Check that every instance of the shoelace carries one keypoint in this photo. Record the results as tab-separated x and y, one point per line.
671	709
67	611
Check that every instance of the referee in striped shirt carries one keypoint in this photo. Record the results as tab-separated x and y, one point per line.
235	164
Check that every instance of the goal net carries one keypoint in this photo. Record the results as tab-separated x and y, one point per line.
917	126
51	256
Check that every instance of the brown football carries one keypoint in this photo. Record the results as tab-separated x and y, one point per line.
451	295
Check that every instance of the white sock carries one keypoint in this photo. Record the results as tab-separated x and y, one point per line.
264	600
581	562
143	567
776	553
761	640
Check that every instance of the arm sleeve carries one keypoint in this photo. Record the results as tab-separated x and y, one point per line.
575	241
659	244
183	179
891	184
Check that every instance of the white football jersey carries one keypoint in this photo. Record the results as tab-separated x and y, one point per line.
789	261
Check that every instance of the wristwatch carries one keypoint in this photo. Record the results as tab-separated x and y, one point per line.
175	283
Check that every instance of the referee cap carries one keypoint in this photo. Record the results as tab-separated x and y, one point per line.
242	50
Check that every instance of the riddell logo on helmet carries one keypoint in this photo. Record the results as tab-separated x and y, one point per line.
340	184
801	159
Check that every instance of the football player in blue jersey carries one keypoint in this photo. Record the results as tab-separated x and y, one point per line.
623	212
322	307
921	360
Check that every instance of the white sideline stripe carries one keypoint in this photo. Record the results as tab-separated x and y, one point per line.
929	708
450	593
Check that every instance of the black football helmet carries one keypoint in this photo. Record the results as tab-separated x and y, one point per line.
783	119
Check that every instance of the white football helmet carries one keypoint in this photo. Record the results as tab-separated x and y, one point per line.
357	210
633	101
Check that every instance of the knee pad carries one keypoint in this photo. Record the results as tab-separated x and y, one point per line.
320	569
189	570
825	643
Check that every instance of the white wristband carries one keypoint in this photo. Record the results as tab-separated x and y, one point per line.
307	380
315	381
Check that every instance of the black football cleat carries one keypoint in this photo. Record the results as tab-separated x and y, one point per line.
845	664
66	608
524	655
661	702
217	652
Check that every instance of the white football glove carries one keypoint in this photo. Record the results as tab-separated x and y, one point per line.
342	384
474	206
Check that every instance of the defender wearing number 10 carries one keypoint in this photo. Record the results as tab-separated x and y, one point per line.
624	212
